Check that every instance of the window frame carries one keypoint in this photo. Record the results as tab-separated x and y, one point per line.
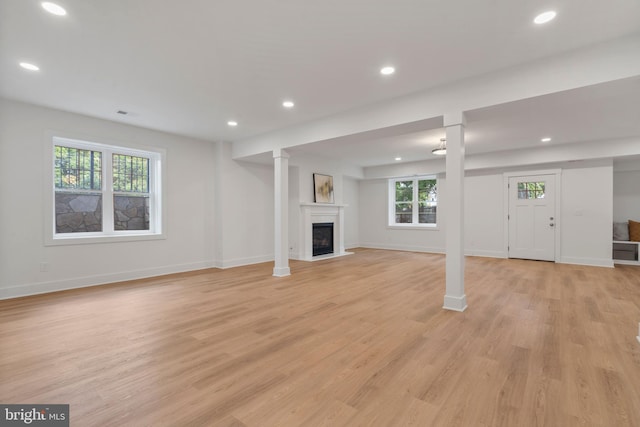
157	199
414	224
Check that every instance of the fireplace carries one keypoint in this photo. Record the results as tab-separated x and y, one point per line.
322	238
312	215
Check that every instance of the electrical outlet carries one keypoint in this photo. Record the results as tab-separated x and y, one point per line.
44	267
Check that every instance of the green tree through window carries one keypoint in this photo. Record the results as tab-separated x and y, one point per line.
130	174
404	202
427	201
78	169
415	201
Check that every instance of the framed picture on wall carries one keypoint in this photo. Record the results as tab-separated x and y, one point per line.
323	188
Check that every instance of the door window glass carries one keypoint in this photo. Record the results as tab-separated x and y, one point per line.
531	190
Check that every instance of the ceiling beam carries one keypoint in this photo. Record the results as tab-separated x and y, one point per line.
596	64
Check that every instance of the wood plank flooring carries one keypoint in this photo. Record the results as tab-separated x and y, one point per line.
360	340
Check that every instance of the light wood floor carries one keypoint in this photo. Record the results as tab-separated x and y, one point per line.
357	340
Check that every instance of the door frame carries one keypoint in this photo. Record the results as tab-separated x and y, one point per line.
558	213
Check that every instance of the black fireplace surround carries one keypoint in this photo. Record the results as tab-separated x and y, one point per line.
322	238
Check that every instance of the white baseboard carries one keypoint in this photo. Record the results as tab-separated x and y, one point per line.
595	262
101	279
410	248
239	262
407	248
485	254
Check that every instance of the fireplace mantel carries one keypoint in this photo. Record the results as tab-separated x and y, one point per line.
322	205
312	213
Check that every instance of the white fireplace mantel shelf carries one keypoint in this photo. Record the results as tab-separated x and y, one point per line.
313	213
322	205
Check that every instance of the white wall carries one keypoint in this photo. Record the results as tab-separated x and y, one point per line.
244	203
484	216
374	230
585	221
301	170
307	166
24	135
295	228
484	230
587	216
351	212
626	195
246	236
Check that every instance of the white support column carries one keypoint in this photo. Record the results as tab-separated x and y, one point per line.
455	299
281	175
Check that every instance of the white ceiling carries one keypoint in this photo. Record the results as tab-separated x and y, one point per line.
601	112
187	67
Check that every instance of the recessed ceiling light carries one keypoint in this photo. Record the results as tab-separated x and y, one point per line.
398	159
288	104
29	66
545	17
54	8
232	123
387	71
547	139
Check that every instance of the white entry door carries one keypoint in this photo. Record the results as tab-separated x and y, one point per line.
532	217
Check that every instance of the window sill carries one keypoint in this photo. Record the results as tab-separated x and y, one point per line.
427	227
94	239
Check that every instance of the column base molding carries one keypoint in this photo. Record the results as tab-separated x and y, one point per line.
455	303
281	271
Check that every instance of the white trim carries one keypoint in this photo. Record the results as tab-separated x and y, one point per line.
326	205
98	280
595	262
432	250
428	227
93	238
405	248
485	254
239	262
327	256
